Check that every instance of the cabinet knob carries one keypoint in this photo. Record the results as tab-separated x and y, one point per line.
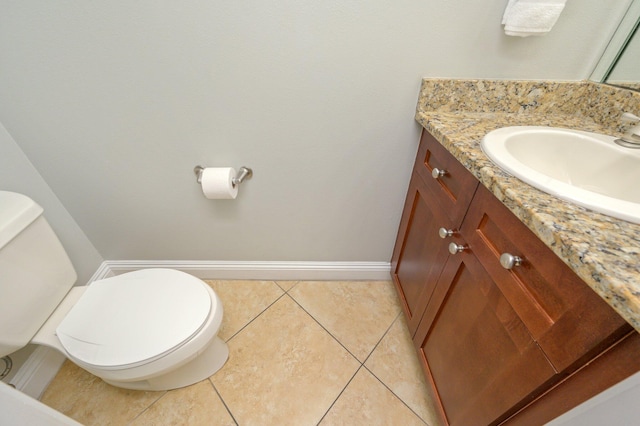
437	173
444	233
456	248
508	261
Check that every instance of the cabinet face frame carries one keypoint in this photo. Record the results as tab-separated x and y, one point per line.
431	204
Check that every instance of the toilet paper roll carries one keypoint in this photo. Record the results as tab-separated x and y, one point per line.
216	183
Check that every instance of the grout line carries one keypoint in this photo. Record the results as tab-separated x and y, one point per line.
286	293
323	327
394	394
383	336
339	395
290	288
362	363
148	407
256	317
223	401
337	340
382	381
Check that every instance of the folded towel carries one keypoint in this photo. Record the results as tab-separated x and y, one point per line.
525	18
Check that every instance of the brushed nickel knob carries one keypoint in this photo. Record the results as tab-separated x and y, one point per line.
508	261
456	248
444	233
437	173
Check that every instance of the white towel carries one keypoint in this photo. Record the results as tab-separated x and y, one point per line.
525	18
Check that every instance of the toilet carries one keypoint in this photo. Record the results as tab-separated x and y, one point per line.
151	329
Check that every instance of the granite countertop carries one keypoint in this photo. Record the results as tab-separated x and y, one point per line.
602	250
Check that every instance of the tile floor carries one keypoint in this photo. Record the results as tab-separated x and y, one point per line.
301	353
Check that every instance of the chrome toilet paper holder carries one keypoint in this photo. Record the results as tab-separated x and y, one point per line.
243	173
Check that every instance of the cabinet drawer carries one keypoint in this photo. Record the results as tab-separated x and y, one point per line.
454	189
567	319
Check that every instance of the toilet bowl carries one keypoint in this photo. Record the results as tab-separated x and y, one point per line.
151	329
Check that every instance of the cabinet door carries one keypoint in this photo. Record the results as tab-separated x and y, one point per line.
479	356
420	254
569	320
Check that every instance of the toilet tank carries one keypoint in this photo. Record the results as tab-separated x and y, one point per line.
35	271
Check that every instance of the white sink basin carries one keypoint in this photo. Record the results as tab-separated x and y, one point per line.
585	168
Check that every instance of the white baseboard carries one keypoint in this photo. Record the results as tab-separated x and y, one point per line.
39	369
255	270
103	271
42	366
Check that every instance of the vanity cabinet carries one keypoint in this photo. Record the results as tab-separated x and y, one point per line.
498	320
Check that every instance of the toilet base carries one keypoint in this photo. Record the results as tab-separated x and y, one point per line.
201	367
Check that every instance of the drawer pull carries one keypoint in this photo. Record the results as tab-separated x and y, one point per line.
437	173
508	261
444	233
456	248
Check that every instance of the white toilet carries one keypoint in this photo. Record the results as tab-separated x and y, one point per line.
152	329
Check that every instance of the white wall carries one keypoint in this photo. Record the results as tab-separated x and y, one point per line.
17	174
617	405
116	102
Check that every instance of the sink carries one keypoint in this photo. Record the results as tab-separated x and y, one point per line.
585	168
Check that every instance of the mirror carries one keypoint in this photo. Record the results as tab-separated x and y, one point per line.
626	70
620	62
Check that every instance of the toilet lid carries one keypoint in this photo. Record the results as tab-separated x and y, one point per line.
135	317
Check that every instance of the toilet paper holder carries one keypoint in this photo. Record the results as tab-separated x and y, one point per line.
243	173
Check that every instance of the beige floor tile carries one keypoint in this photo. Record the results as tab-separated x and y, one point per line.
196	405
366	401
283	369
357	313
395	362
90	401
242	302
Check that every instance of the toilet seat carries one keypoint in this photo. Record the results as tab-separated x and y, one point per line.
134	319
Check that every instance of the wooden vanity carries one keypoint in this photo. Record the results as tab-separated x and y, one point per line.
514	342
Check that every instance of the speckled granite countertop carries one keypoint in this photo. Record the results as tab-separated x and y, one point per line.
602	250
